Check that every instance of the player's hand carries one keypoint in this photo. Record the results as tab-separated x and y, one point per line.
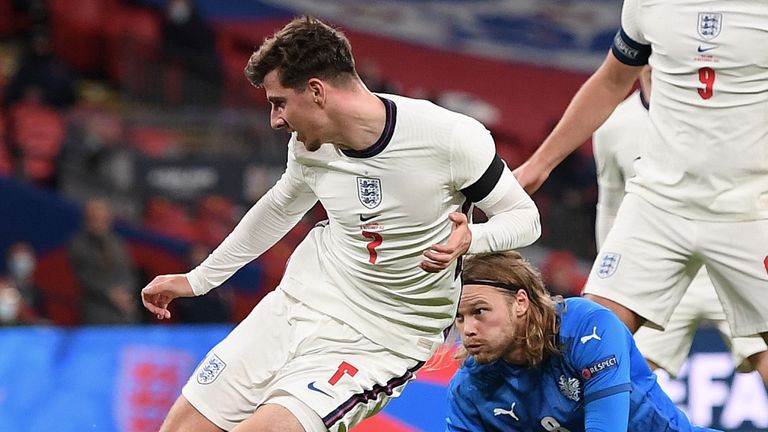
440	257
159	293
530	176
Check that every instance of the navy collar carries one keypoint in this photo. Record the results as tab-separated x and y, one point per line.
386	135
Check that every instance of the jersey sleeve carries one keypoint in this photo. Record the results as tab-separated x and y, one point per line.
480	174
262	226
601	354
610	180
462	414
475	166
629	45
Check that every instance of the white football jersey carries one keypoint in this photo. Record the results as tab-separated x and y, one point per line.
616	145
707	152
386	206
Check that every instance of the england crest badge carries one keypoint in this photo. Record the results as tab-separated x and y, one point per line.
210	369
710	24
369	191
608	264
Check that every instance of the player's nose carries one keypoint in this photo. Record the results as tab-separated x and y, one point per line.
276	121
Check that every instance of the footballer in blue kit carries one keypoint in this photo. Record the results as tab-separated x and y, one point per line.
538	363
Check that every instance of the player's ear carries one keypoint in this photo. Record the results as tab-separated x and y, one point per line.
316	87
522	302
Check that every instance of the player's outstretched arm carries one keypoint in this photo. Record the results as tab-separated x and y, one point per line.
438	257
590	107
159	293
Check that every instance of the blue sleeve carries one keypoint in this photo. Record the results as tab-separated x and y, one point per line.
607	414
600	352
462	415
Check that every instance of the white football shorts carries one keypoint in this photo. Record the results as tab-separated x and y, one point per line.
670	348
322	370
650	257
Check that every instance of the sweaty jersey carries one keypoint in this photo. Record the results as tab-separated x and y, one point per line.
599	359
386	206
706	155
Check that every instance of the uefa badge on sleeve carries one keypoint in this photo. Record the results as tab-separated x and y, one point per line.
210	369
608	264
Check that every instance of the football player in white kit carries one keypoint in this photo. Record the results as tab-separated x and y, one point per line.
700	196
366	297
616	146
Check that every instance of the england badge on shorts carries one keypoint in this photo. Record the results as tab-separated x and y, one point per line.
710	24
608	264
210	369
369	191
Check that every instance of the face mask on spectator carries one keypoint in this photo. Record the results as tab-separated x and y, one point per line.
179	12
21	265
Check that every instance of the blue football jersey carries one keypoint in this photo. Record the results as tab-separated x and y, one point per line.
599	359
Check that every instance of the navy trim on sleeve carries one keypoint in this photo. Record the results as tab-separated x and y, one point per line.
607	392
628	51
485	184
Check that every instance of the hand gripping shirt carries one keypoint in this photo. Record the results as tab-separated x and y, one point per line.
599	359
706	155
386	205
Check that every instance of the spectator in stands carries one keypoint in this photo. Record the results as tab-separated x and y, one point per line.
189	47
41	76
103	269
13	309
21	262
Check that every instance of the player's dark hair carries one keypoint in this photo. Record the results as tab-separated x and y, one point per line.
305	48
510	269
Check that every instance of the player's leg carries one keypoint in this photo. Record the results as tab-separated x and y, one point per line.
735	256
184	417
748	353
759	362
630	319
273	418
235	377
335	379
644	266
669	349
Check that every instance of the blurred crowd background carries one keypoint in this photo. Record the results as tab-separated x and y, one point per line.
131	143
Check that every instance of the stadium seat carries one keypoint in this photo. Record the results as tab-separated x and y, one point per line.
153	141
133	46
166	217
61	292
216	217
37	131
78	31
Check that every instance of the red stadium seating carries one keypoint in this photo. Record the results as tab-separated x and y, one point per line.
133	47
164	216
78	31
38	133
153	141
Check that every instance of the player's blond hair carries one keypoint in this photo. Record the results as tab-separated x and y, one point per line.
541	326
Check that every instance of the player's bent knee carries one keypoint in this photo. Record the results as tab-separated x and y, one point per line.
271	417
632	320
185	417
